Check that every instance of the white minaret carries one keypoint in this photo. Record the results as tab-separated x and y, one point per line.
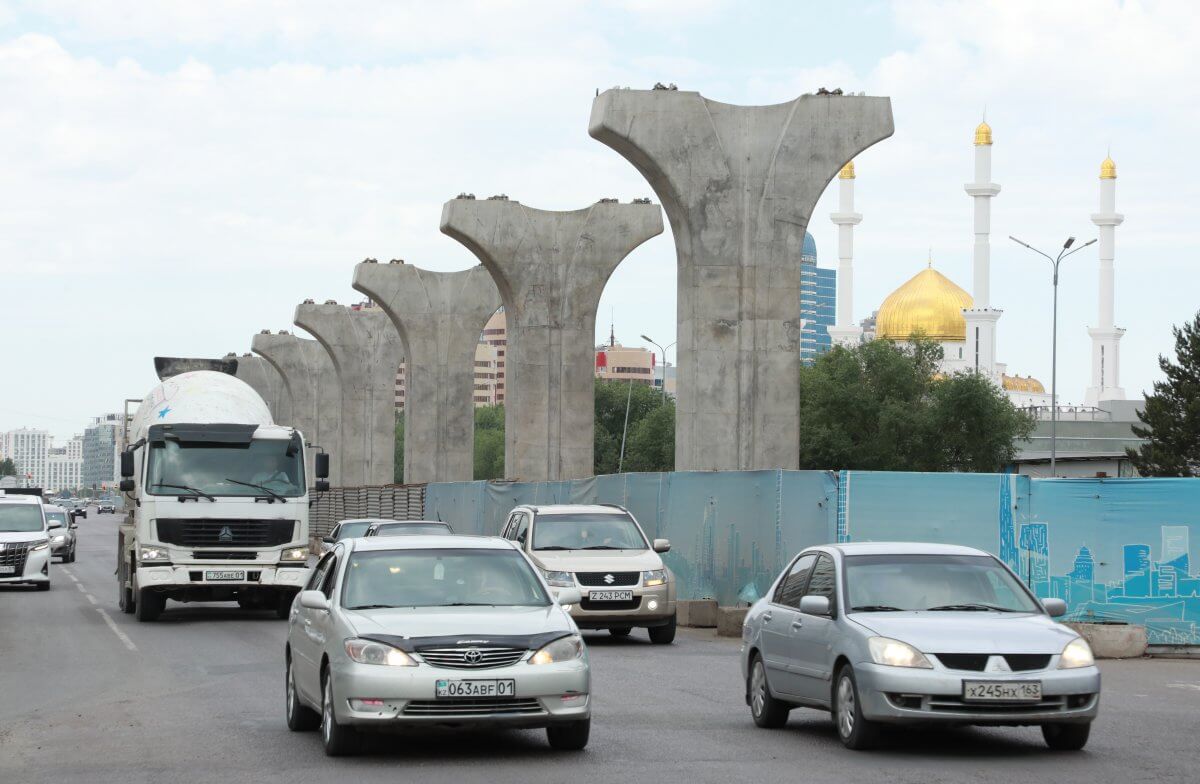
1106	336
982	317
845	332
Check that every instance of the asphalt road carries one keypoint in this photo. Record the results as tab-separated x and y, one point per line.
89	695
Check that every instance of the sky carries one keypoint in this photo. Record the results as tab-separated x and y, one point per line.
178	176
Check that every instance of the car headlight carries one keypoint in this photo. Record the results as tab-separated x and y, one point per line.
561	650
294	554
560	579
1077	654
371	652
57	538
885	650
654	577
151	554
39	546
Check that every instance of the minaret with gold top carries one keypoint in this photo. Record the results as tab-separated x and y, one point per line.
982	317
845	332
1106	336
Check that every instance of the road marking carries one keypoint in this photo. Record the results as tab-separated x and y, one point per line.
1195	686
90	598
81	588
120	634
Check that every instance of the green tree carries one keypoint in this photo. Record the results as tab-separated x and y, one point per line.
398	471
489	442
884	407
651	444
1172	413
643	401
8	467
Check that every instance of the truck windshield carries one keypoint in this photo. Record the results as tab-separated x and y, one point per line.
20	517
214	468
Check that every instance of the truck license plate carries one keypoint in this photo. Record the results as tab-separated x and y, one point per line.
610	596
451	689
1002	691
224	575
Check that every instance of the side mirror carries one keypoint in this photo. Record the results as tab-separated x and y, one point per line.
127	464
314	600
321	465
74	524
321	485
1055	608
328	540
568	596
126	486
814	605
662	545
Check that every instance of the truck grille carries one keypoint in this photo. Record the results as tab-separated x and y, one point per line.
600	579
976	662
225	533
478	706
14	555
465	658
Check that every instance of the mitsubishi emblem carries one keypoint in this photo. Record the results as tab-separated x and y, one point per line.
997	664
608	578
226	534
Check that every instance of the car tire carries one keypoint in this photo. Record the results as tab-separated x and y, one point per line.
663	635
150	605
854	730
620	631
338	739
1066	737
44	586
300	717
767	712
571	736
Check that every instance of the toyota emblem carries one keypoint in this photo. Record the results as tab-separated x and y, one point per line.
608	578
472	656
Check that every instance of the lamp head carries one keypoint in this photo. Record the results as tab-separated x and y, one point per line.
1070	241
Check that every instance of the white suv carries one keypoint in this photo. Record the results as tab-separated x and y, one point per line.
601	550
24	543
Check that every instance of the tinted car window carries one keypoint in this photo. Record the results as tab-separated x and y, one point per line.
522	528
351	530
822	581
792	587
318	574
56	519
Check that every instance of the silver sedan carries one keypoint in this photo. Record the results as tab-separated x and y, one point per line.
418	630
915	634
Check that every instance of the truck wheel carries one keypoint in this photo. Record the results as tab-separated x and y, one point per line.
125	598
150	605
663	635
572	736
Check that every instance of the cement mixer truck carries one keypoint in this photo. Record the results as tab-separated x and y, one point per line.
216	493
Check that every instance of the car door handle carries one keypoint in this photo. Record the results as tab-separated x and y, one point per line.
766	617
796	624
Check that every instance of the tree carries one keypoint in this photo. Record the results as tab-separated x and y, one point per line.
398	471
8	467
643	401
489	442
1172	413
885	407
651	444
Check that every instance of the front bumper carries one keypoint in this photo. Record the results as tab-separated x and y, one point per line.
36	569
905	695
653	606
193	576
545	694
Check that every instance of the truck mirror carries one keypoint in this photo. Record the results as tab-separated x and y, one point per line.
127	464
322	465
126	485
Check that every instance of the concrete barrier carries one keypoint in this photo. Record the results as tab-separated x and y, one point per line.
1113	640
730	620
697	613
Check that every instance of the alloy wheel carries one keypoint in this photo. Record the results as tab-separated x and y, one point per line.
327	711
845	706
758	688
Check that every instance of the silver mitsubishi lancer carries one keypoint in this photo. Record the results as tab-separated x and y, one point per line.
882	634
420	630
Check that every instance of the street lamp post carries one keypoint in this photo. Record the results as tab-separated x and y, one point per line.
664	364
1054	262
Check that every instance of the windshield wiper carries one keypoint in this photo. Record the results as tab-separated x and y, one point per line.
373	607
875	608
552	547
264	488
601	547
466	604
199	493
973	607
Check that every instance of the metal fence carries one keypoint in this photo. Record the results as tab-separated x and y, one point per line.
394	502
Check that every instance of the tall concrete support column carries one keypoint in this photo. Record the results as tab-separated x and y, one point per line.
439	316
845	332
268	383
366	353
312	386
550	268
739	184
1106	336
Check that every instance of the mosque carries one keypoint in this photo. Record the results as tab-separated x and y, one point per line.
932	305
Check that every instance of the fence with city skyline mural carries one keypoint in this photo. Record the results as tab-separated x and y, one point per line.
1114	549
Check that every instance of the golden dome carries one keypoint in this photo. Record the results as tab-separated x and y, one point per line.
1027	384
928	303
847	172
1108	169
983	134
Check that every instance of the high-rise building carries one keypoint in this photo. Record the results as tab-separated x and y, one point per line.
63	472
29	449
101	441
615	362
818	303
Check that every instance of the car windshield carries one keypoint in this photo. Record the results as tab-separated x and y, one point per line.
56	519
259	467
881	583
20	517
412	529
587	532
440	578
351	530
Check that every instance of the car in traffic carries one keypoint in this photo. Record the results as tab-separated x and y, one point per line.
882	634
409	528
407	631
106	507
601	550
24	541
78	510
61	529
348	529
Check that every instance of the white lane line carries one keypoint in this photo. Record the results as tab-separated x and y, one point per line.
90	598
81	588
120	634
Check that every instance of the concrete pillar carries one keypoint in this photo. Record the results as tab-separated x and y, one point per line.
313	387
366	352
550	268
739	184
846	332
269	385
439	316
1106	336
